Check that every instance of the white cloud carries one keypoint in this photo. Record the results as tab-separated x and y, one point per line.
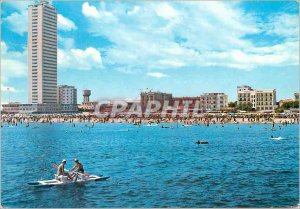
286	25
65	24
134	10
66	43
78	59
90	11
7	88
163	35
19	5
18	22
171	63
94	13
166	11
157	75
13	63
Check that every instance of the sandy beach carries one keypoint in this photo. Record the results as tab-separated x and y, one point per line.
206	119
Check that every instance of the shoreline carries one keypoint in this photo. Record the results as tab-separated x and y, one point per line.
139	121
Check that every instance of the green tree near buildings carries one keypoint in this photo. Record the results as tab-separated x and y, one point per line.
288	105
245	106
279	110
232	104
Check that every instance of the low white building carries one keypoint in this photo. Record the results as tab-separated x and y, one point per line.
88	106
18	108
39	108
67	95
68	108
11	108
261	100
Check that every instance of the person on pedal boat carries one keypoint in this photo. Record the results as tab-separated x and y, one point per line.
78	167
61	170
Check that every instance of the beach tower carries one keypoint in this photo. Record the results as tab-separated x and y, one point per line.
86	95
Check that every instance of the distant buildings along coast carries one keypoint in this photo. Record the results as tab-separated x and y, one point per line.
46	97
205	102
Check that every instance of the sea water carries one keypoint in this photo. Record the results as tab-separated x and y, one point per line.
152	166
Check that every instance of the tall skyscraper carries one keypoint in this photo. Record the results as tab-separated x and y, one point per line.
42	53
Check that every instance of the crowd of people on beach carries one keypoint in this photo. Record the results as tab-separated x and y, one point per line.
206	119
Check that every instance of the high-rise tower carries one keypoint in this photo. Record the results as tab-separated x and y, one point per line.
42	53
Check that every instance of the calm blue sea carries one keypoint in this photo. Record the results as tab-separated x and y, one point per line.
152	166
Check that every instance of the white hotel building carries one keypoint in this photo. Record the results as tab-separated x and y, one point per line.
261	100
42	53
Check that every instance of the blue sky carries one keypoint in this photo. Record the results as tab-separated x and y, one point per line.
186	48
